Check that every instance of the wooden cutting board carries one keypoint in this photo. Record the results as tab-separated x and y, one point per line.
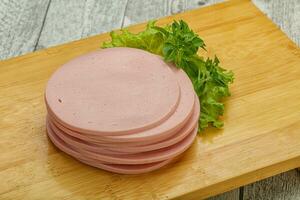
261	136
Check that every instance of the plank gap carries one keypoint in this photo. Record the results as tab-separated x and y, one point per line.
42	27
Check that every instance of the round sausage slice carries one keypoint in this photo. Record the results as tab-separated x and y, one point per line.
128	169
125	148
77	143
117	168
141	158
122	169
158	133
113	91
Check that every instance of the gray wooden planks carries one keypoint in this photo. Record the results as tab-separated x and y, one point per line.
69	20
285	186
141	11
231	195
20	25
201	3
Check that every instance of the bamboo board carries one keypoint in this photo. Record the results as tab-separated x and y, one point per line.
261	136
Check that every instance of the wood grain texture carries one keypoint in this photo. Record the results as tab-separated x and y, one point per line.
285	7
141	11
285	186
260	134
286	14
70	20
20	25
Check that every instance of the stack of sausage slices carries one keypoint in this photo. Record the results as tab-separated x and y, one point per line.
123	110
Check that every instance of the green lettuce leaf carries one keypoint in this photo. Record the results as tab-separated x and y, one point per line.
177	43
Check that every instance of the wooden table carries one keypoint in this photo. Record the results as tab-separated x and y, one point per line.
42	33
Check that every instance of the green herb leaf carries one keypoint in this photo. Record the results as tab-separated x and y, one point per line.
177	43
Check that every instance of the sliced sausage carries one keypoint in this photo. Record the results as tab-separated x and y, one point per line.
113	92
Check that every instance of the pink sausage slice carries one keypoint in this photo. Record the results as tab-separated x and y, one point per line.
172	124
166	129
77	143
122	169
124	148
180	135
128	169
143	158
113	91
